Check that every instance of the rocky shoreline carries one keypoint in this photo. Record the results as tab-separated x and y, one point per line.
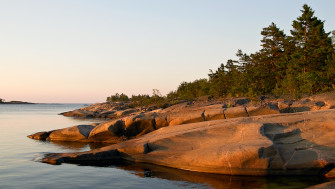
236	137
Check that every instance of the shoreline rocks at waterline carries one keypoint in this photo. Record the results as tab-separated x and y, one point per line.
280	144
137	123
235	137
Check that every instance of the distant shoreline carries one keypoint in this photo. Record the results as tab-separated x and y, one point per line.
16	102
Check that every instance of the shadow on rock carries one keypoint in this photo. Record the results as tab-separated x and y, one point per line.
291	153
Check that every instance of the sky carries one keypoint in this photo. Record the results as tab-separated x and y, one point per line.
80	51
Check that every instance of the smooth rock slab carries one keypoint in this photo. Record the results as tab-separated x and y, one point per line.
41	135
75	133
281	144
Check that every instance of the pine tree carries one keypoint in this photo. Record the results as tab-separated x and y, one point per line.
301	63
313	42
230	76
270	61
313	46
218	82
243	61
273	45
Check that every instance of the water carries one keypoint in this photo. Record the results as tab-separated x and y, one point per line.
20	165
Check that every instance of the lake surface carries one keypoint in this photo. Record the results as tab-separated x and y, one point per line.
20	165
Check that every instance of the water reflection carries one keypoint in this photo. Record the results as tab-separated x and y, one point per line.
76	146
211	180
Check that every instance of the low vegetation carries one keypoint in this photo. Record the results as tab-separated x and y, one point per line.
156	99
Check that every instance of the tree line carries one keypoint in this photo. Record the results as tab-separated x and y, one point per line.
303	62
300	63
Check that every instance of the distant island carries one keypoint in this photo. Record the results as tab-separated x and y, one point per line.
2	101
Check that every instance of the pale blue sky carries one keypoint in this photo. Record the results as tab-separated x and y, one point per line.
83	51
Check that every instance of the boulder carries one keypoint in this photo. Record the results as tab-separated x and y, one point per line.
79	113
135	123
327	98
110	131
302	106
40	135
75	133
161	121
138	125
278	144
284	104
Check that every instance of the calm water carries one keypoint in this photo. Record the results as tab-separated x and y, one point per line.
20	166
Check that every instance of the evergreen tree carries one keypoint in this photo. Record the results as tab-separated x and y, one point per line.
301	63
244	80
235	78
269	62
273	45
313	43
218	82
330	73
243	61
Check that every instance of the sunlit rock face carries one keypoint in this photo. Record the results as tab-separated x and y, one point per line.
236	138
281	144
128	123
